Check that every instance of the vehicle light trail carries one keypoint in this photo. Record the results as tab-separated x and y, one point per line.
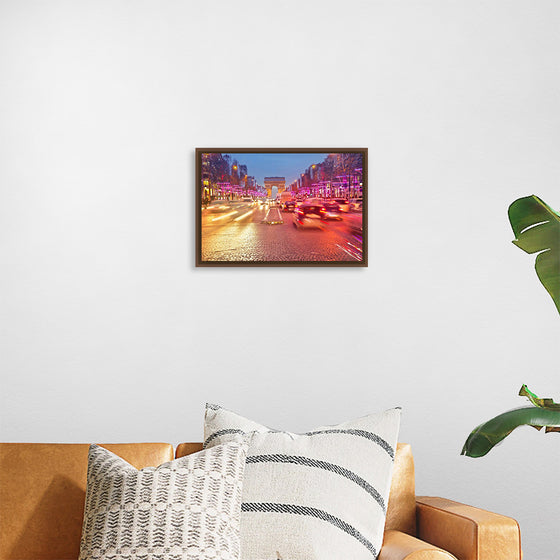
348	252
358	249
244	215
224	216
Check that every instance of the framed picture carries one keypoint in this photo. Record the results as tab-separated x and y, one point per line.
281	207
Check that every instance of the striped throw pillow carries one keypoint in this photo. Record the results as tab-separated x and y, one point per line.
187	509
319	495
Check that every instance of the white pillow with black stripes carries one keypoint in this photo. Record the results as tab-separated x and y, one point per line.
320	495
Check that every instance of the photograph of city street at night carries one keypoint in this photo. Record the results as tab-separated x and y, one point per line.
281	207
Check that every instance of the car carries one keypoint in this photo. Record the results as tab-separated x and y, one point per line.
331	211
309	215
288	206
218	206
356	205
355	227
343	204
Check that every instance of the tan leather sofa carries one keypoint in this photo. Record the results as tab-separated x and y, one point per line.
42	491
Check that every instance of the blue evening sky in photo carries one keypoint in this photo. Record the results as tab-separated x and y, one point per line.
288	165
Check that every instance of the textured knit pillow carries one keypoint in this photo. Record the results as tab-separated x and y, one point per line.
321	495
184	509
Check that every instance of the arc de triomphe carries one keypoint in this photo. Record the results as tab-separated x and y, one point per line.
278	182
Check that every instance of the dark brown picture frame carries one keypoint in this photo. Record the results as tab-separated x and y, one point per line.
356	256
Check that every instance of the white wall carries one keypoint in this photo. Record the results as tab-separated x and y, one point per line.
109	333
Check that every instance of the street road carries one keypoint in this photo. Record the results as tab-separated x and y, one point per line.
241	234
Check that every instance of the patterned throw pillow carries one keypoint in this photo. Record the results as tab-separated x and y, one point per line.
184	509
320	495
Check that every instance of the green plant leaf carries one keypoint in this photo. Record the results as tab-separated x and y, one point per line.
542	403
484	437
536	227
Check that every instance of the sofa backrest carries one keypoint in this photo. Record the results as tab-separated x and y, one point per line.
401	510
42	493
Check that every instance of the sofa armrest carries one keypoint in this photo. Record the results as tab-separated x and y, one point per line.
401	546
467	532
